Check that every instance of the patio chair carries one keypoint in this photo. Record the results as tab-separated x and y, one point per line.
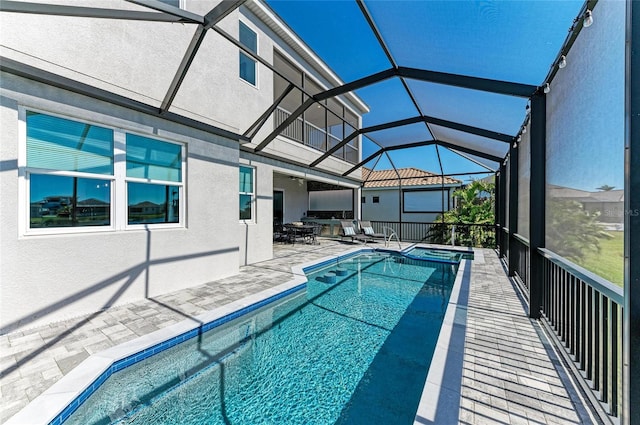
367	229
386	236
349	231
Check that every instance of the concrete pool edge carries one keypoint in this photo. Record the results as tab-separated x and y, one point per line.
441	394
61	399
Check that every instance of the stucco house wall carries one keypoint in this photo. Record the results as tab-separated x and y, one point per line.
51	277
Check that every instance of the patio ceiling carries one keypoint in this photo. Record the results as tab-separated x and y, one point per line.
455	74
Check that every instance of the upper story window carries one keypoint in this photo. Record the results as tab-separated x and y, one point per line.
247	193
76	173
249	39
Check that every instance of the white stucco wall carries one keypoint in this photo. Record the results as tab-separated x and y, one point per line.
89	271
390	209
52	277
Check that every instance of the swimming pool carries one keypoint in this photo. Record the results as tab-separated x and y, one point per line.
439	255
360	335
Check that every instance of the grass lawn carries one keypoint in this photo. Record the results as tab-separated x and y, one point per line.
609	262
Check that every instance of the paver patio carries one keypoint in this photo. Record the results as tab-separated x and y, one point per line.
507	376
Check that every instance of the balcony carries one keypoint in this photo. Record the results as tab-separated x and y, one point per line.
315	137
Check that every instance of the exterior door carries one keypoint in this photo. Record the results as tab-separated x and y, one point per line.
278	207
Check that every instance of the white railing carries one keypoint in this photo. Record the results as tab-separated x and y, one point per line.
313	136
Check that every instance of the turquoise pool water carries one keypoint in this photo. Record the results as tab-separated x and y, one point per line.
440	255
353	348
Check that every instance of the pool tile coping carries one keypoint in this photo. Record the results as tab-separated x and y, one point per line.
64	397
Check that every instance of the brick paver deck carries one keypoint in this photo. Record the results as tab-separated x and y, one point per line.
507	376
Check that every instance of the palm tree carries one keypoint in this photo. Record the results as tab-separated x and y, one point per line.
605	187
474	205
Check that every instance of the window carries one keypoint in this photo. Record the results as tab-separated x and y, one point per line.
153	169
425	200
249	39
376	200
69	172
247	193
72	172
363	199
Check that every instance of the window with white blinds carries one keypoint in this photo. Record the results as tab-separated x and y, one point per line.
72	179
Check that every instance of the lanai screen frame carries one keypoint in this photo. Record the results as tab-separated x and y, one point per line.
536	94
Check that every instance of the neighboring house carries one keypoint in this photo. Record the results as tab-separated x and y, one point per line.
408	195
609	204
158	148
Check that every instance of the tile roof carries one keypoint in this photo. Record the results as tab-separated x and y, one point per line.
409	176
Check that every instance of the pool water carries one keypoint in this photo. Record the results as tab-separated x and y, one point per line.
353	348
439	255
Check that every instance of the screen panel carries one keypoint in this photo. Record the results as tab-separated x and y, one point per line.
585	148
470	141
489	111
478	35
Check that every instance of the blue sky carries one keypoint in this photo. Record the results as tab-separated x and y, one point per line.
508	40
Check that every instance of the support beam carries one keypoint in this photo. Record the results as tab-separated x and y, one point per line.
294	115
501	202
475	161
328	153
213	17
357	84
97	12
469	129
185	64
513	207
168	9
481	154
537	201
631	324
475	83
361	163
257	125
26	71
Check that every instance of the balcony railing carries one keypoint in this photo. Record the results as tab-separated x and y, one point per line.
315	137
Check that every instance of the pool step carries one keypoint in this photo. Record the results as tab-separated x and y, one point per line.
329	278
341	272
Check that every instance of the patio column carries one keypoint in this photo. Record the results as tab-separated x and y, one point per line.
537	200
631	356
501	209
513	206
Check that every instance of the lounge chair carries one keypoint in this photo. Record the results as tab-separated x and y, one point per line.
349	231
386	236
367	229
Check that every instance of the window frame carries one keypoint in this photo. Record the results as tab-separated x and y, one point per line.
180	184
249	58
252	219
375	199
118	208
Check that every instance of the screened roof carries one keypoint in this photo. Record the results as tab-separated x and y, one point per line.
450	80
462	72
